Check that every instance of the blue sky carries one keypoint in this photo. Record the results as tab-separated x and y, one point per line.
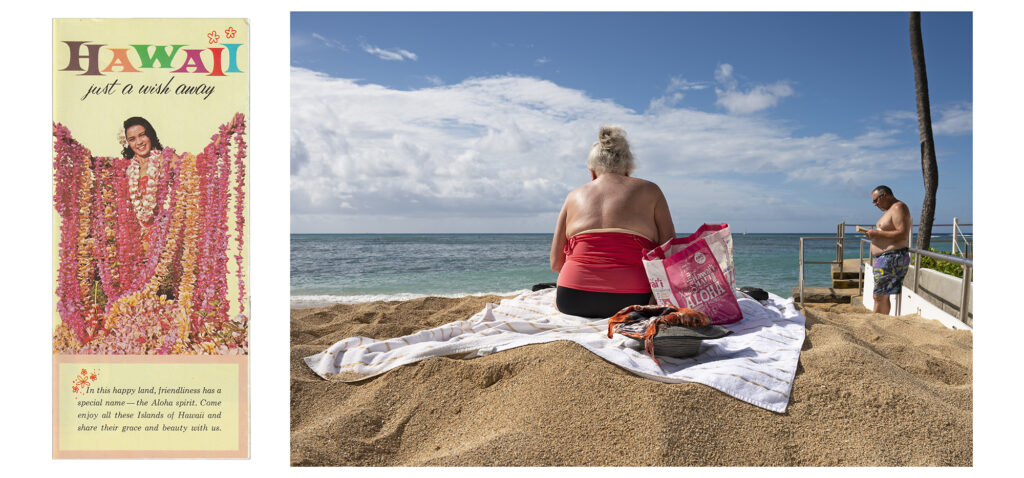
481	122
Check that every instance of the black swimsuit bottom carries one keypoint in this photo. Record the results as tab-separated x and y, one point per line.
584	303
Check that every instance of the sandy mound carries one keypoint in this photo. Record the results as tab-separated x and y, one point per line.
870	391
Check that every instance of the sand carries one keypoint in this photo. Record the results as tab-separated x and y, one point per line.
870	390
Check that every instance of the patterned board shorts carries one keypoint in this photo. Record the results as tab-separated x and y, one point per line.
889	269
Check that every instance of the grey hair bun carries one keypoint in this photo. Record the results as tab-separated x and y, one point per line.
613	140
610	154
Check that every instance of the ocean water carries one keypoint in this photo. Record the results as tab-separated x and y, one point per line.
348	268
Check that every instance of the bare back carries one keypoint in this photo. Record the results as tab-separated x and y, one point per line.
613	201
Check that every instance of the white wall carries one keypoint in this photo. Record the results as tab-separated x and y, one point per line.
911	303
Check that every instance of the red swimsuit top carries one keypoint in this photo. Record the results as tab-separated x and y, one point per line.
606	262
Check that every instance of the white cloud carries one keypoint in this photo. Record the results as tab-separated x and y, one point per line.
756	98
877	138
507	149
723	75
673	94
434	80
542	60
954	120
949	120
666	101
682	84
397	54
899	118
329	42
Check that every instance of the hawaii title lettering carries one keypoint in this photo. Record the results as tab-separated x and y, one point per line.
149	57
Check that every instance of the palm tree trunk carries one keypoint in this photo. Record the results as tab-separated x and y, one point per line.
929	168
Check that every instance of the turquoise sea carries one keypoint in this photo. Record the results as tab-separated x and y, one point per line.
347	268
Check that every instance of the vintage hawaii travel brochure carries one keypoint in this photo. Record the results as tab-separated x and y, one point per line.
150	317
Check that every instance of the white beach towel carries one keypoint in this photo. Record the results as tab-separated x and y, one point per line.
756	363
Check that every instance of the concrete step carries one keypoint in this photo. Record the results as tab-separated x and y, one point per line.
826	294
845	283
850	267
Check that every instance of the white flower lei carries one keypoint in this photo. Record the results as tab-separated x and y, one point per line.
145	202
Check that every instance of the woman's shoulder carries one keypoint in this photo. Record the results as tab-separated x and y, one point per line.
644	185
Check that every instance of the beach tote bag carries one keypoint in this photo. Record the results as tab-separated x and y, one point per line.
696	272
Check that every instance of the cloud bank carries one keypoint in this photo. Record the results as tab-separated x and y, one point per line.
505	150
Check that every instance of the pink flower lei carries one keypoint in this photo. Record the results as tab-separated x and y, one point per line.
131	257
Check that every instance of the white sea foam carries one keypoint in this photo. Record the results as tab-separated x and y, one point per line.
307	301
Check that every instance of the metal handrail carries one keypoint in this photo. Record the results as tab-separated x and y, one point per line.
914	225
968	266
957	232
841	241
800	278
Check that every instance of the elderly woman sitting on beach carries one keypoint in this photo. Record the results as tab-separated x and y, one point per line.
603	230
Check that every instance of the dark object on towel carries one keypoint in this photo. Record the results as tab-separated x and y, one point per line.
664	329
544	285
755	293
681	342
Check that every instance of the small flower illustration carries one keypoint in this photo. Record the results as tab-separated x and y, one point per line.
213	36
82	381
230	32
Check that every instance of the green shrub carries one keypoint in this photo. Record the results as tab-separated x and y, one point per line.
944	267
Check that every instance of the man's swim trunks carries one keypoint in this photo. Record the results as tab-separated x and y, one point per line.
889	269
606	262
603	273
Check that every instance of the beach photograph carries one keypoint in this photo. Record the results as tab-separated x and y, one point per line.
631	239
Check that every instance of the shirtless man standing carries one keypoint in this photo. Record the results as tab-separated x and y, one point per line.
889	242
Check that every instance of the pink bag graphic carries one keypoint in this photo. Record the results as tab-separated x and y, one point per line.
696	272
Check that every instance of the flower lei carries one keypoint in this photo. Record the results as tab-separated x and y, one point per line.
123	288
240	207
145	202
73	187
